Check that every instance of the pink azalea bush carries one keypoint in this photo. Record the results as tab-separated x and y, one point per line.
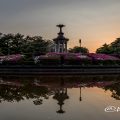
48	59
69	55
102	57
69	58
62	58
55	54
76	56
11	58
77	59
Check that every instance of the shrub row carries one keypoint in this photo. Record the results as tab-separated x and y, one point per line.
66	62
77	62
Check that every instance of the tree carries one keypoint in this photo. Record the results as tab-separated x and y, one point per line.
5	43
104	49
36	45
78	49
113	48
116	46
17	43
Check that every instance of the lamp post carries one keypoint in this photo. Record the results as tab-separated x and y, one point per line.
80	41
80	94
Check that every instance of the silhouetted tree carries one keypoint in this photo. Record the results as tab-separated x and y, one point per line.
78	49
115	89
17	43
104	49
113	48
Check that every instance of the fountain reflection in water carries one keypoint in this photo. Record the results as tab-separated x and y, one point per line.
40	89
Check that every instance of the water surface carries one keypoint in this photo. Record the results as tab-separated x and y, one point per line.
59	97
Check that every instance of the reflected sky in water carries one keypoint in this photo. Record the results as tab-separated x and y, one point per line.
59	97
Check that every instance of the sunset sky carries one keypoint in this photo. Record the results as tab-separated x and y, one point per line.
94	21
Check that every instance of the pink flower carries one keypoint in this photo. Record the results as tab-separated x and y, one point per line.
102	57
14	57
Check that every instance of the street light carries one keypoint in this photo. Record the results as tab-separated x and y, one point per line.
80	41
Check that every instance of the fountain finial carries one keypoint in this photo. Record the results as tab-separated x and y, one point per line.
60	26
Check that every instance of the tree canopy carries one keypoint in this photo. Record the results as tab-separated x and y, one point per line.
18	43
113	48
78	49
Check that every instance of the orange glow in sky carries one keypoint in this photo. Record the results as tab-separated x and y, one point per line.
94	21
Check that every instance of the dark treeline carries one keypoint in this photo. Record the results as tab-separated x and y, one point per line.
36	45
20	44
113	48
78	49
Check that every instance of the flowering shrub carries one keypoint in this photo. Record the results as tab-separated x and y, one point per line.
47	59
103	59
2	58
55	54
11	58
62	58
77	59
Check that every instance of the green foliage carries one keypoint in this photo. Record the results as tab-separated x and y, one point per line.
17	43
28	60
78	62
72	62
113	48
86	62
49	62
78	49
1	52
104	49
115	89
106	62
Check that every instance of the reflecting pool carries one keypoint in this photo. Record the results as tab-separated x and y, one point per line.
60	97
